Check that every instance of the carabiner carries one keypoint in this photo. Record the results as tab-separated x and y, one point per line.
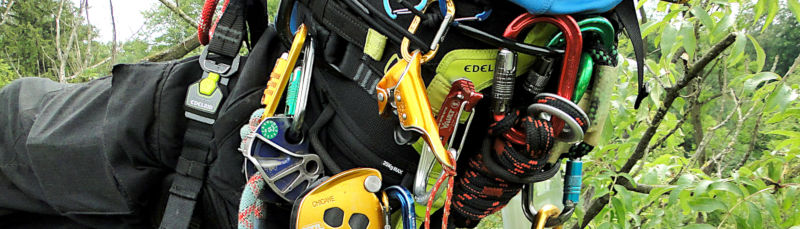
569	26
482	16
569	65
570	197
448	18
393	13
600	26
403	196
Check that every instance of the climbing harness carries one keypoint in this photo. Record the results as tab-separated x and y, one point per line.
527	131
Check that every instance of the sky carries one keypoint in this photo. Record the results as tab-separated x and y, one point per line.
127	14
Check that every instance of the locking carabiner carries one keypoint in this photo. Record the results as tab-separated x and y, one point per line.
569	69
393	13
448	18
570	28
570	198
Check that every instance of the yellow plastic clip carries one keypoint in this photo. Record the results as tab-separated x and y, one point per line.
546	212
403	88
279	76
448	18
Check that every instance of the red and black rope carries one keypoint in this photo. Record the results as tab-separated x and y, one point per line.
498	173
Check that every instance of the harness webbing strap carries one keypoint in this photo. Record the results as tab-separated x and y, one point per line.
229	32
198	138
626	13
191	171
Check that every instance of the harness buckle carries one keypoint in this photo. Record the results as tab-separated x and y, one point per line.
222	69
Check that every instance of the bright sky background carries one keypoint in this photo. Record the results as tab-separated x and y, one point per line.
126	12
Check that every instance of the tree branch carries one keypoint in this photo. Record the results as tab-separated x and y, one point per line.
672	93
113	34
180	12
176	51
5	14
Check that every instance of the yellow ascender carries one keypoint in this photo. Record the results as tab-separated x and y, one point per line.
346	200
402	88
279	76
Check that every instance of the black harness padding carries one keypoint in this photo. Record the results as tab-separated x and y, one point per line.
626	13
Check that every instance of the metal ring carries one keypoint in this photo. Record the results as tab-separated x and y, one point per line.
575	132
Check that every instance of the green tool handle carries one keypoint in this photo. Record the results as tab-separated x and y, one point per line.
294	89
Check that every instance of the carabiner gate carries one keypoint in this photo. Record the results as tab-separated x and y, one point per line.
448	18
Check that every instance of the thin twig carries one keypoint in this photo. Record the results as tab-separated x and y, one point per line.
180	12
5	14
113	34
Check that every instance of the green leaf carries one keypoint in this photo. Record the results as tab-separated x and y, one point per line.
705	204
791	112
737	51
656	193
754	220
702	186
619	209
760	5
787	133
726	186
721	28
673	196
689	41
761	57
699	226
683	201
780	98
703	16
761	77
629	177
668	36
772	9
794	6
650	27
770	205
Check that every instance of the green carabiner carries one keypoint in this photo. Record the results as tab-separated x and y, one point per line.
597	25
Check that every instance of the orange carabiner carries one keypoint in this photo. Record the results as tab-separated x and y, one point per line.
448	18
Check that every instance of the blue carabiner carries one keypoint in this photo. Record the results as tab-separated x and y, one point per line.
482	16
402	195
393	15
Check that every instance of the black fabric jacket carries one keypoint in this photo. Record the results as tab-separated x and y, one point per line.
103	153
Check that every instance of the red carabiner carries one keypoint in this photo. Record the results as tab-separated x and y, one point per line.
569	67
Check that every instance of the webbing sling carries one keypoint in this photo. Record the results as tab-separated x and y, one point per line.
626	13
192	165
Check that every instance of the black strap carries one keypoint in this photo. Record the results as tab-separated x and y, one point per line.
626	12
230	31
192	167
